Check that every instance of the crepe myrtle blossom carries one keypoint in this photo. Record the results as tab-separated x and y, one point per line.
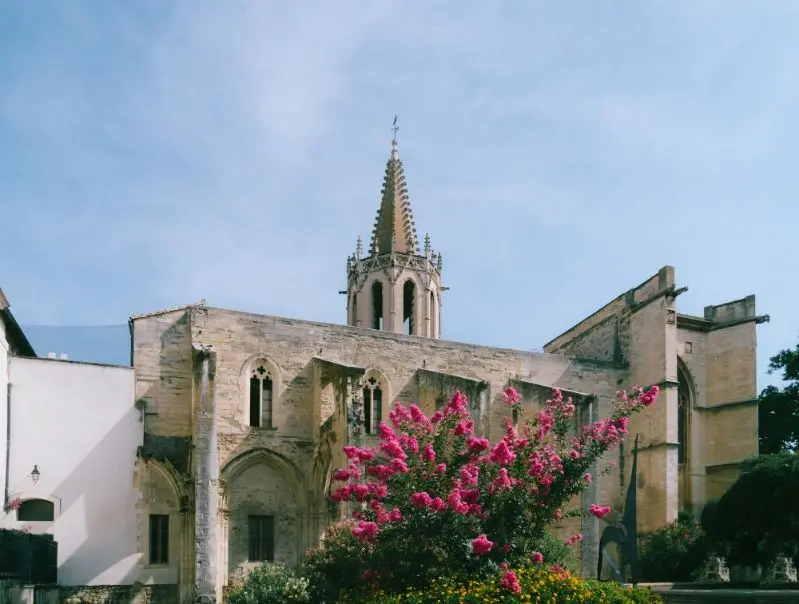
434	479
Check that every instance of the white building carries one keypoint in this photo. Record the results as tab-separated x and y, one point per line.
77	425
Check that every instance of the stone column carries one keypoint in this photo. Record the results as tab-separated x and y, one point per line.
392	297
186	560
428	319
223	524
206	471
589	525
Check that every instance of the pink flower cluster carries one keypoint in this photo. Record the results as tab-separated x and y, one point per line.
510	581
437	467
13	504
600	511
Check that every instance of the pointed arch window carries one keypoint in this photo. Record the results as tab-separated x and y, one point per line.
377	305
261	396
408	304
372	405
683	410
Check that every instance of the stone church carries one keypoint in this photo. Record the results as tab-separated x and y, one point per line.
245	415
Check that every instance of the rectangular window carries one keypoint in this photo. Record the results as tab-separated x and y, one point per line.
262	538
159	539
266	403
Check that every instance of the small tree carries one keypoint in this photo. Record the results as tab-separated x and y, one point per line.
779	407
435	499
757	519
674	552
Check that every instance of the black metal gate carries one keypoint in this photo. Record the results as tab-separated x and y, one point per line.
27	558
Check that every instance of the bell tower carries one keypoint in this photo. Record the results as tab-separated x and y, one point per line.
395	287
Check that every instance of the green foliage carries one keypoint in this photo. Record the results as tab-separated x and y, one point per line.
436	500
779	407
757	519
674	552
333	565
536	585
556	552
268	583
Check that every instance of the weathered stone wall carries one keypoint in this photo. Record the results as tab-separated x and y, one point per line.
261	490
158	496
639	329
309	402
164	373
119	594
717	354
292	345
312	364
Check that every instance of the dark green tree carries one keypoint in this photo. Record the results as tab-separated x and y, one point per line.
757	519
779	407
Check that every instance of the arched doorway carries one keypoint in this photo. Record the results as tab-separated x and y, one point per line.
265	510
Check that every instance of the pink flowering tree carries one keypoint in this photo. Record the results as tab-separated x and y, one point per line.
437	499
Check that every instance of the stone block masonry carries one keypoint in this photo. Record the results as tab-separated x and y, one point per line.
258	490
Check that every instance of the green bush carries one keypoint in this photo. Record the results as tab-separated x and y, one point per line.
535	583
269	583
331	570
757	519
556	552
674	552
334	565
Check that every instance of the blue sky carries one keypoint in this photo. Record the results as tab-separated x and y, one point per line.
152	154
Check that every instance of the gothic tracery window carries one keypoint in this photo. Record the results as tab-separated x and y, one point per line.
261	391
372	405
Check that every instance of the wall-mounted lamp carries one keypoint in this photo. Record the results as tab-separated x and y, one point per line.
35	474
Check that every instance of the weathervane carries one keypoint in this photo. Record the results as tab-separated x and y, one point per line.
394	127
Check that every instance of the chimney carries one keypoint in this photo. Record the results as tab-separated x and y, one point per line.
63	356
50	355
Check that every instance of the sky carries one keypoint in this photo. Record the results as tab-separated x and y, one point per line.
157	153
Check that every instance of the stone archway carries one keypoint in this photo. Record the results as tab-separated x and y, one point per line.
267	509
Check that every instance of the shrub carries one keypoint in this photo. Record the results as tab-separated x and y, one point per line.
270	583
556	552
757	519
534	585
674	552
334	565
437	500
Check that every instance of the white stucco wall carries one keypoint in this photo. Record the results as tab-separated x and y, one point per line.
78	424
3	393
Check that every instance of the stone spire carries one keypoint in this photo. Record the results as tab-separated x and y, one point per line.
394	229
395	288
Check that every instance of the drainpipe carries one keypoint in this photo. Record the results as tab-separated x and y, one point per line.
8	443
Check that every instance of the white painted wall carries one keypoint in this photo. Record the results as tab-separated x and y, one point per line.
3	393
77	422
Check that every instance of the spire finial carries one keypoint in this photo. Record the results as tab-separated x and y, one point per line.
427	245
359	248
395	129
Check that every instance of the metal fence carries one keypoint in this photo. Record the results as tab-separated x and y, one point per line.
27	558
